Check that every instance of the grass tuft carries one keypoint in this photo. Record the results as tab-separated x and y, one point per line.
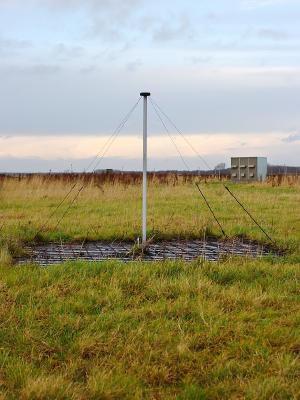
5	257
171	330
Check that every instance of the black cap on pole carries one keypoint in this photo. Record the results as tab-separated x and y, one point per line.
145	94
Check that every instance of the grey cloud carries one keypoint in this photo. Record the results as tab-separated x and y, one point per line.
116	7
182	29
134	65
43	69
238	148
6	43
272	34
104	28
107	19
243	47
112	26
10	46
253	4
34	70
201	59
92	103
112	54
88	69
65	52
146	22
212	17
295	137
6	137
8	2
239	145
222	45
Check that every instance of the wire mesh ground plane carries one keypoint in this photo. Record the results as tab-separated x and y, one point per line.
210	250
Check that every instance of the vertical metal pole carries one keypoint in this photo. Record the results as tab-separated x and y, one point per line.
144	212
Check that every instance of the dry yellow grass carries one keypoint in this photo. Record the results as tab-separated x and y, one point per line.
113	211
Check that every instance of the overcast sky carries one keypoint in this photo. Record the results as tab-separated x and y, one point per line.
226	71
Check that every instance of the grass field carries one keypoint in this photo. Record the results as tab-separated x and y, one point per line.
110	211
227	330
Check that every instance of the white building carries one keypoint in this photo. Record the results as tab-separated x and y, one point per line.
248	169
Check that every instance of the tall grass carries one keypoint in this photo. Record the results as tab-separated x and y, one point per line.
111	210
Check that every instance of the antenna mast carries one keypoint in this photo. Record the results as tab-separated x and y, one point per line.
144	212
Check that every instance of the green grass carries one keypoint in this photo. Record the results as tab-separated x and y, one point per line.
174	330
151	331
112	212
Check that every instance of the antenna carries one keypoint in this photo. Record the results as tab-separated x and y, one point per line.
144	212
